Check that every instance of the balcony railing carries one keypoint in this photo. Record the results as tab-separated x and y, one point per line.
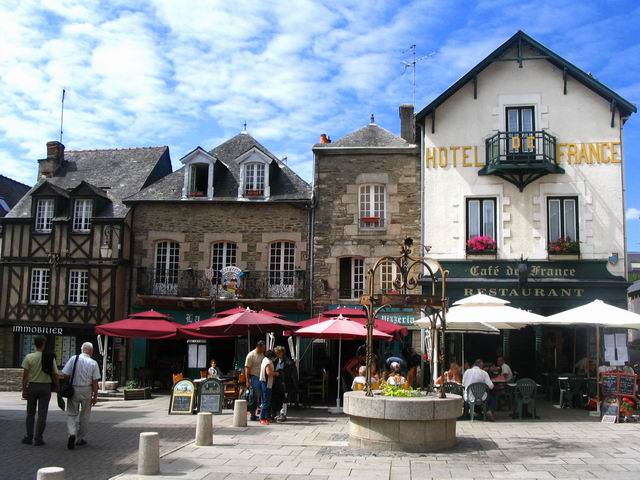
521	157
275	284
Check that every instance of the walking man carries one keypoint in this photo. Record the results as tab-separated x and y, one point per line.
252	365
40	371
85	394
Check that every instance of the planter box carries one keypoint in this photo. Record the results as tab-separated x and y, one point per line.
558	257
110	385
483	255
254	193
137	393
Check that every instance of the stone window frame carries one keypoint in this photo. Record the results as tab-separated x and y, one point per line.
382	222
156	244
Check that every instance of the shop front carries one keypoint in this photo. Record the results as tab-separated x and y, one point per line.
542	287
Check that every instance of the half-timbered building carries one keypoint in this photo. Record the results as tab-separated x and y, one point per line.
66	247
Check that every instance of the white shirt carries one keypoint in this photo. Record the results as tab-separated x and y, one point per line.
506	372
263	372
87	370
476	375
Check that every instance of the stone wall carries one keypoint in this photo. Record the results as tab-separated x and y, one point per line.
337	233
11	379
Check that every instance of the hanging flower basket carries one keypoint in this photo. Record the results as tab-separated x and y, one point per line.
481	245
564	246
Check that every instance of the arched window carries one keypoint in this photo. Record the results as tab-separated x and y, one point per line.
282	269
254	179
372	206
223	254
166	265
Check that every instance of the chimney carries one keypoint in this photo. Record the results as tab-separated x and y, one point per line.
407	123
47	167
324	138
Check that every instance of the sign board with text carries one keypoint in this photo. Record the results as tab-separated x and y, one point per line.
182	398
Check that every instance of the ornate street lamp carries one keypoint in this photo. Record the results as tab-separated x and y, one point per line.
410	271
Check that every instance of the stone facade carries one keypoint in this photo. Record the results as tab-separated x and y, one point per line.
341	169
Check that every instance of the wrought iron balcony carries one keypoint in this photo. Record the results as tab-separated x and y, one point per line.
275	284
521	157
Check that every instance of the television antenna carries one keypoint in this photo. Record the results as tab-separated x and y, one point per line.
412	65
61	114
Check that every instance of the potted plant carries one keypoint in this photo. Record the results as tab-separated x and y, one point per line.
564	246
481	245
133	391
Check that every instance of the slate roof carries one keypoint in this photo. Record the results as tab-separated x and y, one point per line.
625	106
11	191
285	184
371	136
634	289
119	173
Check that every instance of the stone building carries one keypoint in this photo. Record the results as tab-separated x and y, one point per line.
229	228
524	194
366	201
66	248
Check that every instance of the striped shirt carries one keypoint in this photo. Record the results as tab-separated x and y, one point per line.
87	370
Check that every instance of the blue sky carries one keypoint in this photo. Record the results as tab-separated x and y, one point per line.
190	73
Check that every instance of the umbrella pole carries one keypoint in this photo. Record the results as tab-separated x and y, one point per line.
462	362
104	363
598	368
339	371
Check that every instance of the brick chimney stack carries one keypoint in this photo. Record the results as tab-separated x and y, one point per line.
47	167
407	123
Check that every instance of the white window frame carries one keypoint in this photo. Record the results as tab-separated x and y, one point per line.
44	215
78	293
481	212
40	286
82	214
372	202
255	178
357	278
388	274
166	266
562	217
228	258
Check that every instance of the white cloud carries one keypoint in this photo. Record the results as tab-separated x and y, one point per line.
633	214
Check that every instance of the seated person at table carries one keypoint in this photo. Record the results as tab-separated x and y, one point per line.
451	375
395	377
478	375
360	381
505	369
213	371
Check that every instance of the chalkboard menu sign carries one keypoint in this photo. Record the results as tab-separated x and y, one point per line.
610	407
627	385
210	396
182	397
609	384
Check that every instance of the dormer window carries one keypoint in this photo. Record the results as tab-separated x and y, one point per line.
44	215
82	213
199	180
254	180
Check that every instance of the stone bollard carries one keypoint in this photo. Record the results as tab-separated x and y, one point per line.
149	454
50	473
240	413
204	429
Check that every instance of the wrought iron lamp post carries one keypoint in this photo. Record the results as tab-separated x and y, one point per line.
410	270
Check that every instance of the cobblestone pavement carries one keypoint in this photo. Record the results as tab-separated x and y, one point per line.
112	439
562	444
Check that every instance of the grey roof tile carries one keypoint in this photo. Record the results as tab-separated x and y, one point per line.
11	191
118	172
370	136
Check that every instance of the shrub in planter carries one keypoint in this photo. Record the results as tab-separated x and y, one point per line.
564	246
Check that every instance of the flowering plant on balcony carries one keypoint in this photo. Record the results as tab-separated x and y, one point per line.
481	244
564	246
196	193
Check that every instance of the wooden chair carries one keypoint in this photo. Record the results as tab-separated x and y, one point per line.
177	377
231	393
203	374
319	387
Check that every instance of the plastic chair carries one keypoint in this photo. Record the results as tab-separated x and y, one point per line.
563	385
525	394
475	397
452	387
358	387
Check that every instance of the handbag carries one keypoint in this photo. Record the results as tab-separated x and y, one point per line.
67	391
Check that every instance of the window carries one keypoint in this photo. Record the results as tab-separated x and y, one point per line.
351	277
521	120
78	287
44	215
223	254
254	179
199	180
40	279
481	218
562	216
166	267
372	206
82	212
282	269
388	276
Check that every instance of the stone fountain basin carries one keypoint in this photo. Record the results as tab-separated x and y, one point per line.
409	424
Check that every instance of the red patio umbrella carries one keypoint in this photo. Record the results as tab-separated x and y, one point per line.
243	323
140	328
233	311
151	314
378	324
345	312
340	328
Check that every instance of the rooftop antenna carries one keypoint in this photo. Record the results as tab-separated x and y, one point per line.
412	65
61	115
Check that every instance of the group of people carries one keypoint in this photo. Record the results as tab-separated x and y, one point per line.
41	377
271	381
398	370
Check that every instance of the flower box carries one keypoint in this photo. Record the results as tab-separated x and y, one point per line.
137	393
563	246
481	245
196	194
253	193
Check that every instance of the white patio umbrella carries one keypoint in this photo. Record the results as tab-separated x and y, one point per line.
597	313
